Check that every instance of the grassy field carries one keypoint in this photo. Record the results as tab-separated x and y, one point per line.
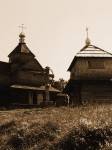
63	128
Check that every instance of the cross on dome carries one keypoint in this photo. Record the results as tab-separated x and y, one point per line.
22	35
22	28
88	42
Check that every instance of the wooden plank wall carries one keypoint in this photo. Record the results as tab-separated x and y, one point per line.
81	69
99	93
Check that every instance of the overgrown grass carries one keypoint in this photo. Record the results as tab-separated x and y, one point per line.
64	128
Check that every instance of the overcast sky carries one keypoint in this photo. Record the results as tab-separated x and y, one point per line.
55	29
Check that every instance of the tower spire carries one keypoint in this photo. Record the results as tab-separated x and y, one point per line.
22	35
88	42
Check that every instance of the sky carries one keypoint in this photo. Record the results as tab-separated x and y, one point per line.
55	29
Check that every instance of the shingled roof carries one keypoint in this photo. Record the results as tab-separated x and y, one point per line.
91	51
21	47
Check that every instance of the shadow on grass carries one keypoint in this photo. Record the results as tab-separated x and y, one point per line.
43	137
84	138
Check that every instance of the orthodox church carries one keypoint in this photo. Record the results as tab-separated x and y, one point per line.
23	79
90	76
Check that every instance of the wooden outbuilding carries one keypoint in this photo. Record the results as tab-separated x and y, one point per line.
90	76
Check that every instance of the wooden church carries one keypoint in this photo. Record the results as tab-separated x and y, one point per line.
23	80
90	76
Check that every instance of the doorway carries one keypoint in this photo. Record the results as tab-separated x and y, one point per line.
34	98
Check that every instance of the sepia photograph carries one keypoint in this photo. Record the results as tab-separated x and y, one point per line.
55	75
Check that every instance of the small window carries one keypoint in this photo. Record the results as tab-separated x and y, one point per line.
96	64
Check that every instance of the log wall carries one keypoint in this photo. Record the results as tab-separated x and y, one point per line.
81	69
96	93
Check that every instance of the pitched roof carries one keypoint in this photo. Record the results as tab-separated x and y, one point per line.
21	48
91	51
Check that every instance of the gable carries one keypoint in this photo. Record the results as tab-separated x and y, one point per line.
33	65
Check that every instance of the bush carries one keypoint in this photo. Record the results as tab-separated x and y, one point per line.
85	138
